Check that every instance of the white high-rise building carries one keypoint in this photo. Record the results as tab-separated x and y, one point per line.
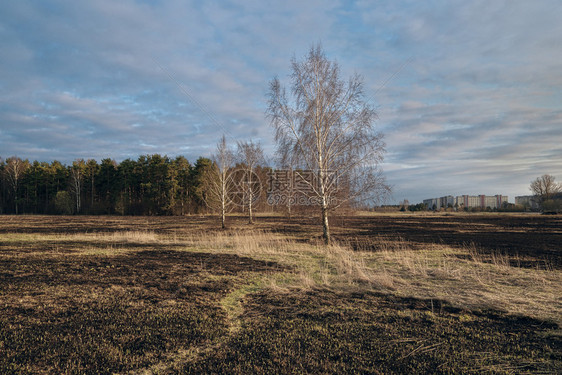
466	201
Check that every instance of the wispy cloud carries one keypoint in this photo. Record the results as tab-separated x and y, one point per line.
473	105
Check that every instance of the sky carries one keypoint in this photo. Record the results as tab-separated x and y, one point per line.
468	93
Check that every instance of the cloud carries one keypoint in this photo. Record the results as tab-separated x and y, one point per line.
467	92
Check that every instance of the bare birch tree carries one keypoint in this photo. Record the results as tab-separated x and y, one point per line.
287	164
326	126
15	169
76	181
250	155
217	181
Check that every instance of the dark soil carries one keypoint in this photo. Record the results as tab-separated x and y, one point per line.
65	312
105	314
532	240
324	332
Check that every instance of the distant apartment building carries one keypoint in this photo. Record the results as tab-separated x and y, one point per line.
437	203
466	201
529	201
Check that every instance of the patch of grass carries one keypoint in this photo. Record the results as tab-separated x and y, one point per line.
466	281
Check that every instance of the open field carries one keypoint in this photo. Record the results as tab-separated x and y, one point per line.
395	294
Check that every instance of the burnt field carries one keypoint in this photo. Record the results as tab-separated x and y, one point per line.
532	240
165	295
535	239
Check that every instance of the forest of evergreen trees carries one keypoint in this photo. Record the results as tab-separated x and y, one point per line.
150	185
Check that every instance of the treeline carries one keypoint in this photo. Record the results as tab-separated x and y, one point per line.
150	185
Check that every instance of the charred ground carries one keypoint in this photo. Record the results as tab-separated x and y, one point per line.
119	294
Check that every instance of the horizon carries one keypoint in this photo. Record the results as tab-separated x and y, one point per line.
467	94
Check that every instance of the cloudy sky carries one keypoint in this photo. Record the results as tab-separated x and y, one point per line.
469	93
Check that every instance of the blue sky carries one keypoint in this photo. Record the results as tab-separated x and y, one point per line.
468	93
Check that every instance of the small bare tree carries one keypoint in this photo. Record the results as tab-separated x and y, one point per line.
15	169
544	189
287	164
326	126
250	155
217	181
76	180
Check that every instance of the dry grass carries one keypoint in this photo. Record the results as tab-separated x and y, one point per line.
467	279
462	276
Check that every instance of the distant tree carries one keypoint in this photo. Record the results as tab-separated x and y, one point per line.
183	181
107	185
129	201
170	184
14	171
160	183
284	177
326	126
545	187
92	169
197	185
44	175
157	181
2	186
77	172
60	175
63	203
250	155
217	180
418	207
547	193
32	187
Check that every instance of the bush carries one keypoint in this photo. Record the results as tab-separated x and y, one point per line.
552	206
63	203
